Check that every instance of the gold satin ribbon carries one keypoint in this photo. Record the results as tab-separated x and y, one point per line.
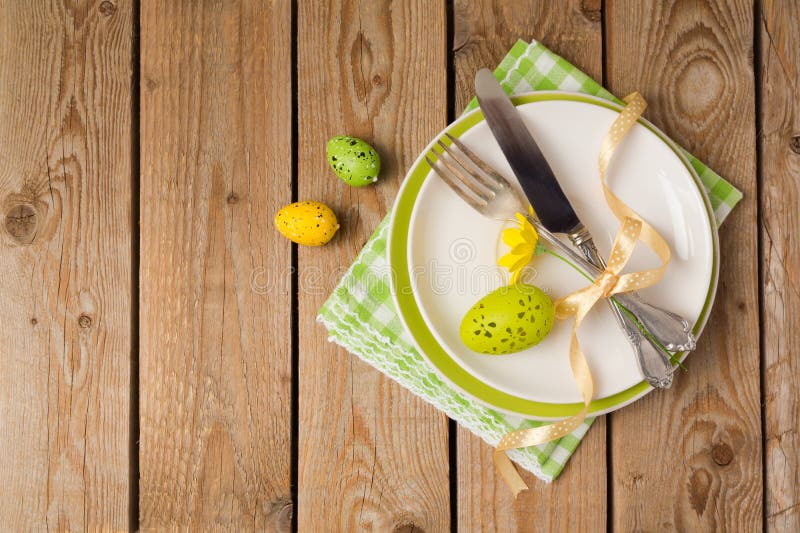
611	281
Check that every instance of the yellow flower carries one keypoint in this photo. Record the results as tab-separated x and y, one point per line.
522	240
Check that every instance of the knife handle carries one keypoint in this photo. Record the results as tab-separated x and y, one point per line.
653	363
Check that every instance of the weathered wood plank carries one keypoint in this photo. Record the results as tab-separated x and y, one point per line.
780	180
65	258
689	459
371	456
215	360
483	34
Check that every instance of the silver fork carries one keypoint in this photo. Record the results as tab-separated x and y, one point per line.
489	193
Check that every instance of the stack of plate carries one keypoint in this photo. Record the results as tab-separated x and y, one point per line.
444	256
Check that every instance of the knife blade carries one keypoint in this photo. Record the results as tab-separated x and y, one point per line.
526	159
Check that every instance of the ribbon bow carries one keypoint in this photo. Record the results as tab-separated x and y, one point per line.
611	281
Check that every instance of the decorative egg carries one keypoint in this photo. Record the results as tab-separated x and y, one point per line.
508	320
308	223
353	160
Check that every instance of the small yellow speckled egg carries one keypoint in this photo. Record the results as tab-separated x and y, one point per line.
307	223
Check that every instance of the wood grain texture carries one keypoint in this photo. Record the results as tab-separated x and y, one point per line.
483	34
576	501
689	459
371	455
485	30
65	258
780	229
215	362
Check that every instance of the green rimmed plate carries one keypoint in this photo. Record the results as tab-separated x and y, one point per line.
443	256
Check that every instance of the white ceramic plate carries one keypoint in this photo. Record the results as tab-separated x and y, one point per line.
444	256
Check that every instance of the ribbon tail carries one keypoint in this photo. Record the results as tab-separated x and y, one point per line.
509	473
532	436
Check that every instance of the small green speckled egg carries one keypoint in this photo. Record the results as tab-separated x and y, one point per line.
353	160
308	223
508	320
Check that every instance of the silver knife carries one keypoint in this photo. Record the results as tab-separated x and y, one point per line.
556	214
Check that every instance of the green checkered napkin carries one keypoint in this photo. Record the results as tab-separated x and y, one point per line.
360	314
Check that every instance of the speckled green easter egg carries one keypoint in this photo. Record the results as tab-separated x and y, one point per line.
308	223
353	160
508	320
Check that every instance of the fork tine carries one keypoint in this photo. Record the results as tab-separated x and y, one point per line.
476	202
479	163
465	176
475	174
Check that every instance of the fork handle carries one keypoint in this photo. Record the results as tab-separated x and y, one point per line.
670	329
653	363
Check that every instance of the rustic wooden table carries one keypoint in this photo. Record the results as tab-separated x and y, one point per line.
161	365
